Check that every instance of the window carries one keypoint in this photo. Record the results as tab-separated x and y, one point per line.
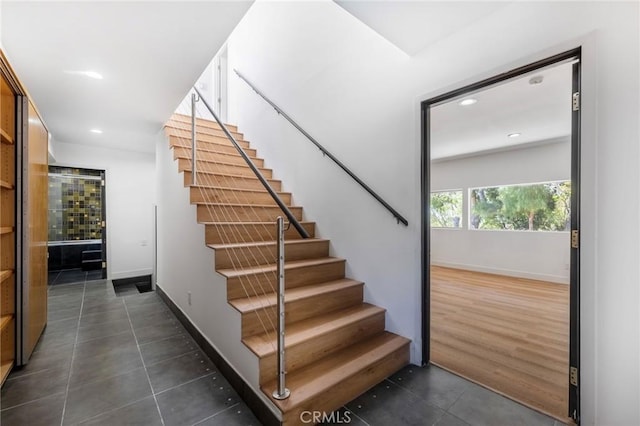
534	207
446	209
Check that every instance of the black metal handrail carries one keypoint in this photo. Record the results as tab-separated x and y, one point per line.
393	211
292	219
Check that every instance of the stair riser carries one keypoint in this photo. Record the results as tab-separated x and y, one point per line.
224	181
240	233
253	256
200	130
351	387
240	170
264	283
215	157
321	346
211	144
256	321
221	195
200	122
211	213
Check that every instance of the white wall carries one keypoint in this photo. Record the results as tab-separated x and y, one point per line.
360	96
130	184
536	255
186	265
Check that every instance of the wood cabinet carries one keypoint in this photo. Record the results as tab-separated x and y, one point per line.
23	223
7	228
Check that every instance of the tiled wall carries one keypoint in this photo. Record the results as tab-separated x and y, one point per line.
75	211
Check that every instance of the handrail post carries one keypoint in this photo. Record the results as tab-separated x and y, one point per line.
194	165
282	392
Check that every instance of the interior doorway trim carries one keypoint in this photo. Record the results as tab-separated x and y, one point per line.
574	291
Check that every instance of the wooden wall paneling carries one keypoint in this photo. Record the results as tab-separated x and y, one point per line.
37	234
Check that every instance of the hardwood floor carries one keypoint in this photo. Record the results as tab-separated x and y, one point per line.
508	334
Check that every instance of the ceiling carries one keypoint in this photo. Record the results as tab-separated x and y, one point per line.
413	25
149	54
541	113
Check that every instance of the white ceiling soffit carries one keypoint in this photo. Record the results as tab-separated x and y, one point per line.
413	25
149	54
540	113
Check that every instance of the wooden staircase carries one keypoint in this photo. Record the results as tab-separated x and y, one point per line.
336	345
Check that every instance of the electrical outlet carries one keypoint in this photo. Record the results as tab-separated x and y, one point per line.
189	298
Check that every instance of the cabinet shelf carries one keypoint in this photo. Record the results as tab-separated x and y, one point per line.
5	368
6	138
5	274
6	230
5	184
5	320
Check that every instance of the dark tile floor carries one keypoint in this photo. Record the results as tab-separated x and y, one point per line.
72	276
110	360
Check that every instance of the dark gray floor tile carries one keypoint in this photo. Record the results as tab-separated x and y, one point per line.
94	305
147	319
449	420
117	360
480	406
143	412
91	348
176	371
151	307
43	412
388	403
66	290
103	329
57	334
70	277
433	384
97	288
104	316
96	398
338	417
196	400
142	299
238	415
94	275
64	302
60	314
54	358
162	330
33	386
51	276
161	350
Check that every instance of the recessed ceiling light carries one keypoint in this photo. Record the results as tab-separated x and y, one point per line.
90	74
467	102
513	135
96	131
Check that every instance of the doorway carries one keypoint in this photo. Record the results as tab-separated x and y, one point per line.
77	225
470	213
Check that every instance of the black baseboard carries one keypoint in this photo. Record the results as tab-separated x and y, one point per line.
248	395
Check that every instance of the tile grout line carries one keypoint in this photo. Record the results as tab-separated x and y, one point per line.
144	365
357	416
112	410
73	355
185	383
33	400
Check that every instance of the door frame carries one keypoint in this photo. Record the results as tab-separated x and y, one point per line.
574	285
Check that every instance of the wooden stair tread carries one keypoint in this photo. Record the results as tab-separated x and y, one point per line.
6	273
298	332
224	188
4	321
254	303
219	163
328	372
240	205
264	243
176	127
200	121
292	264
215	151
231	175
